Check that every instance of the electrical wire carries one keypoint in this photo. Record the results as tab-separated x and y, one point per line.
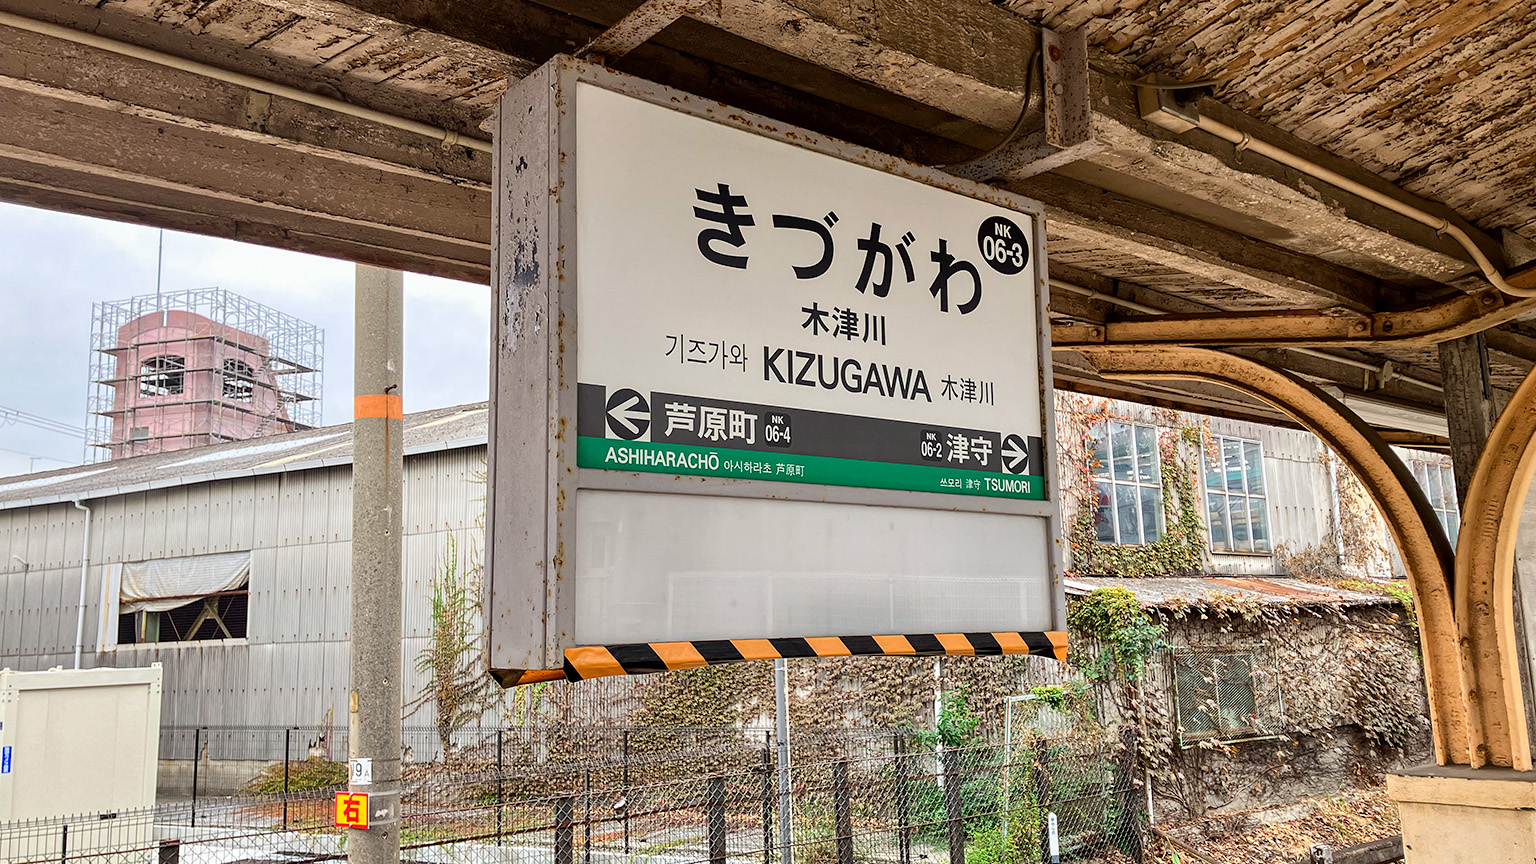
11	415
1031	99
1172	85
36	456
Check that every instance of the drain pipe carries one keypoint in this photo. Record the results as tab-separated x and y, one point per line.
1157	107
85	564
1384	369
447	137
1306	166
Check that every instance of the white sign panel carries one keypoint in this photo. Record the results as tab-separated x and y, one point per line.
754	384
361	772
752	309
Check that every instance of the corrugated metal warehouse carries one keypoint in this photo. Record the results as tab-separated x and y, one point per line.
286	501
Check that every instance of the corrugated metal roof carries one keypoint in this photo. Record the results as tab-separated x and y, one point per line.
1222	590
425	431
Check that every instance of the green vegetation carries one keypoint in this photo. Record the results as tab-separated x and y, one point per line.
460	692
1114	618
1398	591
307	776
1000	793
1181	548
957	722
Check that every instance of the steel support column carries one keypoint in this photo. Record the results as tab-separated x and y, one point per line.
1425	552
1485	584
1471	408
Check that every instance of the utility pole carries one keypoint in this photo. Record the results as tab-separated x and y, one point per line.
377	467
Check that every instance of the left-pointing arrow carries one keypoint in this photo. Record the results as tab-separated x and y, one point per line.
629	415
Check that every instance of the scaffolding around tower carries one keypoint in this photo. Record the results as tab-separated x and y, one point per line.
188	368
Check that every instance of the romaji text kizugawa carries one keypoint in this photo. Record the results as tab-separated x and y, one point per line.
812	369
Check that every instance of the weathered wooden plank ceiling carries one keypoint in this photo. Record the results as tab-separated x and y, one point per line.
1432	96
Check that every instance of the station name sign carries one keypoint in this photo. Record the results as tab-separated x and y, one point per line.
753	383
752	309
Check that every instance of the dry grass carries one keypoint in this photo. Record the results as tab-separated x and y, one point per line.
1338	820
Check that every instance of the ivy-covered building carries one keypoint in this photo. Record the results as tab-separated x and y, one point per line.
1154	492
1266	649
1250	691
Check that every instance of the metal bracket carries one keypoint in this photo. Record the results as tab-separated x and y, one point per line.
638	27
258	110
1068	133
1160	108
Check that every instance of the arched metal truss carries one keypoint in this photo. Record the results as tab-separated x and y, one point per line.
1485	585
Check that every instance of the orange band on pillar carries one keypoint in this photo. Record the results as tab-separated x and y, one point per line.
381	405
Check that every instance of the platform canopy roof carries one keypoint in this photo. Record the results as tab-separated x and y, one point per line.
1427	103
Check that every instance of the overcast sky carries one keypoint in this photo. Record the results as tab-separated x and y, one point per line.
53	266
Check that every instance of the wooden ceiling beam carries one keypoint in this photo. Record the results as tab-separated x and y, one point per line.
92	132
904	77
950	71
965	58
1091	215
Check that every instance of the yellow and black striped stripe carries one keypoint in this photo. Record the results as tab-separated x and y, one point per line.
645	657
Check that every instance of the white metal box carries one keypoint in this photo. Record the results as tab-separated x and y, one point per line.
79	742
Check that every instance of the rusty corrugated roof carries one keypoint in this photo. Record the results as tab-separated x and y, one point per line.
1220	590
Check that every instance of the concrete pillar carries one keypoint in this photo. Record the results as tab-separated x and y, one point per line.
1459	815
377	482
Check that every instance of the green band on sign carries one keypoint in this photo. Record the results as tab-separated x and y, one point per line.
619	455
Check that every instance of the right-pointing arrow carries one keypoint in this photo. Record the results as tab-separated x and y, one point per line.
1015	455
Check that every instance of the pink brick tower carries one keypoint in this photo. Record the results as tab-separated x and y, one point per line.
178	377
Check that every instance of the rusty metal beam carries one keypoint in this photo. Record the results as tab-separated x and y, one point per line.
1425	551
1457	316
1416	440
1485	565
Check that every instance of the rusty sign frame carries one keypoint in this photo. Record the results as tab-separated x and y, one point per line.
532	470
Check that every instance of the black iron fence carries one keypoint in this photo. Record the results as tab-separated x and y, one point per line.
278	759
870	799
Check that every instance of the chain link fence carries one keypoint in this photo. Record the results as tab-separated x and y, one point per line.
215	761
552	743
856	797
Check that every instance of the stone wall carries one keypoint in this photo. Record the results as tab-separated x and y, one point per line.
1351	696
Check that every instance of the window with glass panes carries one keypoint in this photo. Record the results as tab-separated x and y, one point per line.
1128	482
1235	502
1225	693
1439	486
